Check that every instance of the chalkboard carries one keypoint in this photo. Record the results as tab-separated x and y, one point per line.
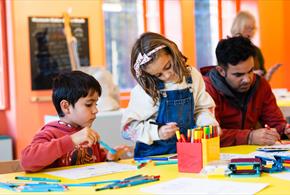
48	48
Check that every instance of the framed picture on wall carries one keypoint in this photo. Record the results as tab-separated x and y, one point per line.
49	54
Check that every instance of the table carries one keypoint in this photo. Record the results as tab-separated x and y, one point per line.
166	172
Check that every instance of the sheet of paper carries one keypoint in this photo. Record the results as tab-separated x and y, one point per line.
283	175
278	145
203	186
228	156
92	170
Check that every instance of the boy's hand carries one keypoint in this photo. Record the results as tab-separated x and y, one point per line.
85	137
167	131
264	136
119	151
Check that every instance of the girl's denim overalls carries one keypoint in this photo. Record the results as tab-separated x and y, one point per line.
175	106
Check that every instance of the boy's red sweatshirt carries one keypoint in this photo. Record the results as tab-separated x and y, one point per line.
52	146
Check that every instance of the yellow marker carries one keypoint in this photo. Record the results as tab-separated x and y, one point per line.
177	135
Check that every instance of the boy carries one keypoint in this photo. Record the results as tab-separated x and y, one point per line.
69	141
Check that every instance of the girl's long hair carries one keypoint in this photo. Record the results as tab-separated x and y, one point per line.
146	43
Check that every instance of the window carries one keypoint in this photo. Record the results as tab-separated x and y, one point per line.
228	15
123	25
207	36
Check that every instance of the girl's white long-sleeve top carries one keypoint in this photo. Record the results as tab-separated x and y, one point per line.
141	110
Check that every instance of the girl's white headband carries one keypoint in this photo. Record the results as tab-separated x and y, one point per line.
143	59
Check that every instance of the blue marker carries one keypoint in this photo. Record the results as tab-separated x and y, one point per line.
37	179
111	150
151	158
91	183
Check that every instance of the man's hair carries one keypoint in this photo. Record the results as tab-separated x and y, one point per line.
234	50
71	87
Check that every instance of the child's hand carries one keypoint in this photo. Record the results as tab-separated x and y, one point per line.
167	131
119	151
85	137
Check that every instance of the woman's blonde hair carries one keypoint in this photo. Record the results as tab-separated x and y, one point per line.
240	22
147	42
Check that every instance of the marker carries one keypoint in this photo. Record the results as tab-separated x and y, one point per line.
182	137
188	135
151	158
111	150
141	165
7	186
156	123
178	135
37	179
90	183
133	183
170	162
161	124
134	177
41	189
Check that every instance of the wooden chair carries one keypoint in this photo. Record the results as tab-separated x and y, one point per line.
10	166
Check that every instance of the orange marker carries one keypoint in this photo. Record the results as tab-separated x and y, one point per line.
188	135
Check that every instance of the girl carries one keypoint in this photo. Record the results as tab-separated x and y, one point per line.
170	96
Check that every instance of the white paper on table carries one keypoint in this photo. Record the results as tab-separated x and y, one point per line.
204	186
93	170
278	145
283	175
228	156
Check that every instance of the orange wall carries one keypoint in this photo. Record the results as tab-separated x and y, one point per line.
188	30
24	117
275	46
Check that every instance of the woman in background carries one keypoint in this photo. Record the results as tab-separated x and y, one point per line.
244	24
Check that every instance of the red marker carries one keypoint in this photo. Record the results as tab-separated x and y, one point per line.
182	138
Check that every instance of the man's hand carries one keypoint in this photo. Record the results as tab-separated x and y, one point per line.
264	136
287	131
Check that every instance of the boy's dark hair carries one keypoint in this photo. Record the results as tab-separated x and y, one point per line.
234	50
71	87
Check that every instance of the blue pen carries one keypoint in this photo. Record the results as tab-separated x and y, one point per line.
151	158
7	186
133	183
133	177
111	150
170	162
37	179
41	189
91	183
